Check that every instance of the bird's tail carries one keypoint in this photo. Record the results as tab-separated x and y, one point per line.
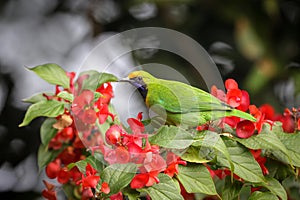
241	114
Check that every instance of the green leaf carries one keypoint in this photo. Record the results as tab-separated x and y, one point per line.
95	163
196	178
81	165
212	140
231	189
245	166
165	189
265	140
193	155
50	108
47	131
257	195
97	95
279	170
38	97
275	187
70	192
172	137
66	96
95	79
292	185
45	155
131	194
118	176
291	141
53	74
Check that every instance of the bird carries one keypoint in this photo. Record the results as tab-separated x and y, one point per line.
183	104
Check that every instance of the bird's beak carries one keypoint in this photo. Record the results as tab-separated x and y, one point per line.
125	80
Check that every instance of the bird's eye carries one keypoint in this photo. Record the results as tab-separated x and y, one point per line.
139	78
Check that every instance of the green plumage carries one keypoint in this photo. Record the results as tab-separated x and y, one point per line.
182	103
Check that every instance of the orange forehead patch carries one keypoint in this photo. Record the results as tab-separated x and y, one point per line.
133	74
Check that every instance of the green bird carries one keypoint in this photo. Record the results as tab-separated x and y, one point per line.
182	104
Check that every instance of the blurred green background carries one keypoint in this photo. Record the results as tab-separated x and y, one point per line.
255	42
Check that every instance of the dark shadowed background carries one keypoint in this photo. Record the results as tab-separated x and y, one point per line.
255	42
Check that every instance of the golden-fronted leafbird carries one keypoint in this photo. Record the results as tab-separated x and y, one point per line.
181	103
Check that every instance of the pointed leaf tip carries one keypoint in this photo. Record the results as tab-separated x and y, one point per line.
52	73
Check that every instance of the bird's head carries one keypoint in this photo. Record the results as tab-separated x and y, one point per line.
139	79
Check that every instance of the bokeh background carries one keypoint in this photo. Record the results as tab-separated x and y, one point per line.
255	42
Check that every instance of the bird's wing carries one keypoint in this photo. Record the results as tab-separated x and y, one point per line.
178	97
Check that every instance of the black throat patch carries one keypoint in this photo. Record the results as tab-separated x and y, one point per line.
139	83
143	91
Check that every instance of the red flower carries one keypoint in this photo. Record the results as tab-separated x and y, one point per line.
231	121
122	155
87	194
260	117
105	188
69	155
107	93
145	179
139	181
89	116
234	97
245	101
113	135
222	173
268	111
83	109
63	176
185	194
53	168
153	165
253	189
90	180
220	94
82	101
140	116
202	127
136	125
103	113
231	84
118	196
261	160
75	174
110	155
49	193
288	124
66	134
245	129
71	75
118	155
172	162
153	162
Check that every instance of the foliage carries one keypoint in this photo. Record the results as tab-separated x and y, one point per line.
93	156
